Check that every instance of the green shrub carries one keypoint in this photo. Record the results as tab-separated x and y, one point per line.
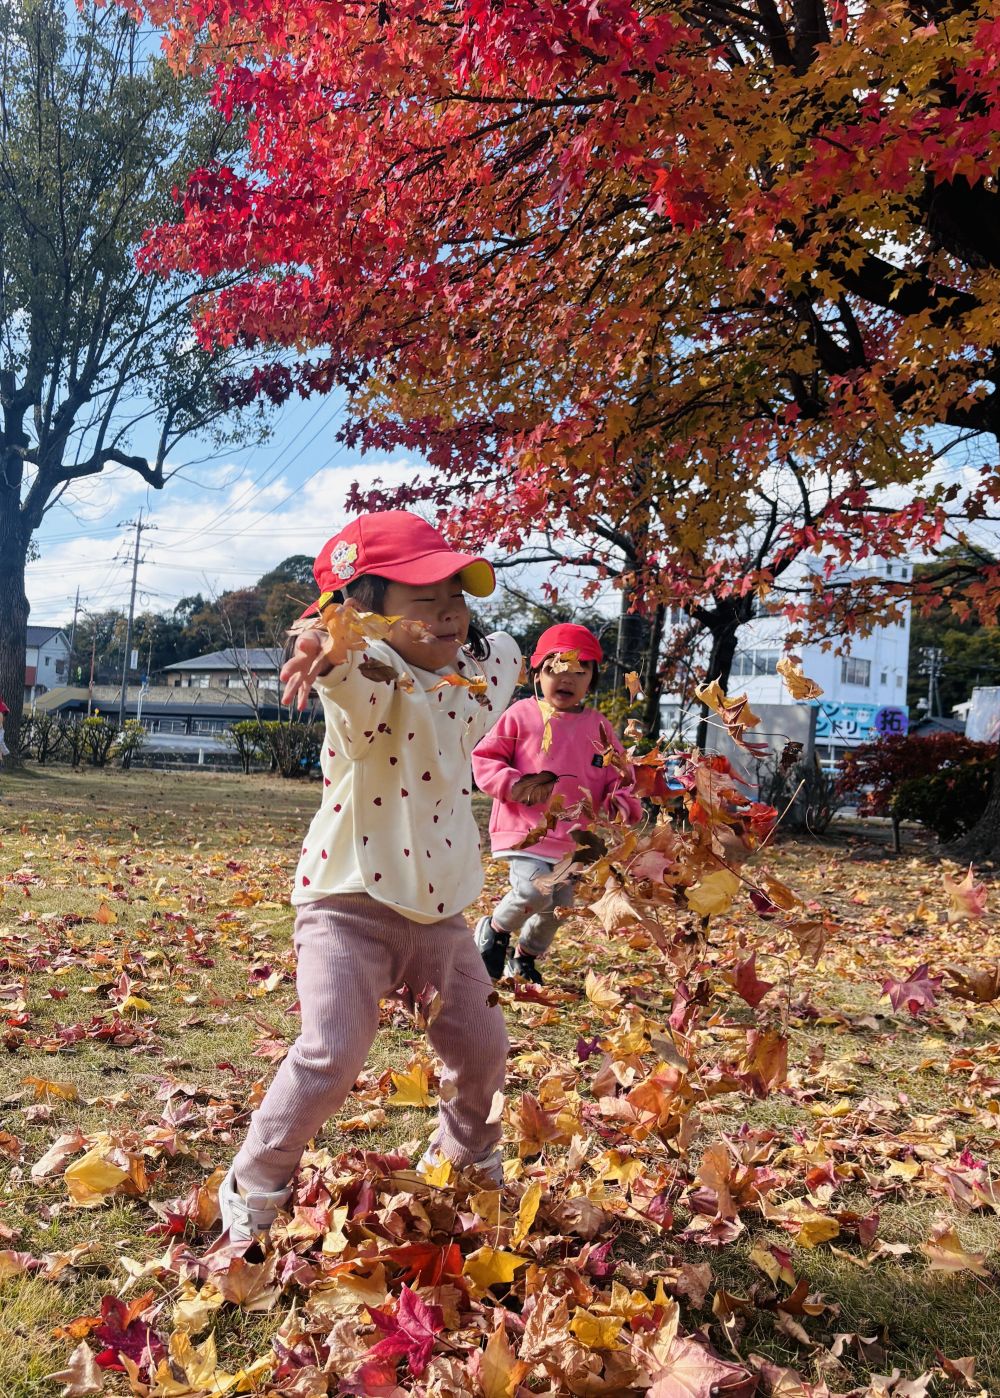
129	741
948	803
249	741
294	747
98	739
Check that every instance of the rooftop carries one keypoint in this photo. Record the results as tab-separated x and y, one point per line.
235	658
38	635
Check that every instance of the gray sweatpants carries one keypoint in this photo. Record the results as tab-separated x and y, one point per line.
352	952
529	911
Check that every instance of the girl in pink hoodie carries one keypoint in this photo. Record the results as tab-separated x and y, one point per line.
540	746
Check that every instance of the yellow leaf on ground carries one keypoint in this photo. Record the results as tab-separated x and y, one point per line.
946	1254
814	1231
596	1332
491	1266
439	1173
526	1212
91	1179
411	1088
601	991
105	915
137	1003
50	1087
499	1371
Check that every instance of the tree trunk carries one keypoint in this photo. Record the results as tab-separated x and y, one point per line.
631	639
982	842
13	612
723	626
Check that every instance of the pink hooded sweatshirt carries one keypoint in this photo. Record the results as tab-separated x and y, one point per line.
513	747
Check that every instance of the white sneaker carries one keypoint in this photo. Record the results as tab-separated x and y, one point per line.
491	1164
250	1217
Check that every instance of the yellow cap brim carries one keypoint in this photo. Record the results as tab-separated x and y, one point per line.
478	579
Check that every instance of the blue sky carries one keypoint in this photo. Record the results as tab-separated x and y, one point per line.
219	523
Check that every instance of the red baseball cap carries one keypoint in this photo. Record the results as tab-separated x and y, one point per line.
567	636
402	547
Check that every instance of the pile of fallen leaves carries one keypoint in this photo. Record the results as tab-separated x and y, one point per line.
768	1064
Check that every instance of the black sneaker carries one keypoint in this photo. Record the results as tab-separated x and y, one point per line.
522	967
492	946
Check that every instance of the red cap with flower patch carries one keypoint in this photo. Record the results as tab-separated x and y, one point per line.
401	547
566	637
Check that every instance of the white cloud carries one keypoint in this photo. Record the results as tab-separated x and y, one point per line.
198	542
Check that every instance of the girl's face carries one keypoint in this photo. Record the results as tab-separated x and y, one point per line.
443	610
565	688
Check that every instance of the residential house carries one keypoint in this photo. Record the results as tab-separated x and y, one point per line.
247	669
46	661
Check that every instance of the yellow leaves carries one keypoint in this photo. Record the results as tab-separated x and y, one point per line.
527	1209
411	1088
439	1173
546	710
92	1179
348	629
714	894
105	915
814	1231
192	1371
492	1267
774	1265
500	1372
596	1332
106	1169
736	715
52	1088
601	991
136	1004
945	1253
634	686
789	667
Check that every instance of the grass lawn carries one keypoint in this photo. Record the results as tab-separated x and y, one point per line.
843	1224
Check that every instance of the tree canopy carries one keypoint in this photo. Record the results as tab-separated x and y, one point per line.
620	257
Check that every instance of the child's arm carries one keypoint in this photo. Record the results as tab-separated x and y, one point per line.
493	757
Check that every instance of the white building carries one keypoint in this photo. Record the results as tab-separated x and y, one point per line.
864	690
46	661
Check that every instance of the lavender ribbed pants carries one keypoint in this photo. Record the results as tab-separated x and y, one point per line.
353	952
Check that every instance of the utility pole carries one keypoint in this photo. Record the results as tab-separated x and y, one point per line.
72	638
139	527
90	687
932	664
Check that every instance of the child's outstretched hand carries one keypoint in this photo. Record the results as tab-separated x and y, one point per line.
306	663
534	788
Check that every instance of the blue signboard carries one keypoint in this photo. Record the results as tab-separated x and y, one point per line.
858	723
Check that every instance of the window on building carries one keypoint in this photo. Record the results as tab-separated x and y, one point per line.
60	667
884	678
855	671
207	725
755	662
